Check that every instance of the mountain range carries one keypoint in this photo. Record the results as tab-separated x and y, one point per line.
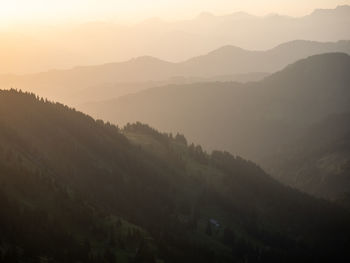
217	139
253	120
100	42
229	63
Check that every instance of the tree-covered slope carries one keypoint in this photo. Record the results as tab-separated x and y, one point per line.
78	190
249	119
254	120
319	161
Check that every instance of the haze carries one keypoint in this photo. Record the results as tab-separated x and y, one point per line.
62	11
174	131
43	35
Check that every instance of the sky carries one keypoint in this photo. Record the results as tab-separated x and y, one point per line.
14	12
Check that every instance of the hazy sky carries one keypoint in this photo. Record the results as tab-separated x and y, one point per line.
126	11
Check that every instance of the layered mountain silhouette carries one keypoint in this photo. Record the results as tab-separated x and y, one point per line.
216	139
106	81
253	119
100	42
73	189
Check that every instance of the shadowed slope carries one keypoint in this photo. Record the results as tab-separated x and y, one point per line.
59	162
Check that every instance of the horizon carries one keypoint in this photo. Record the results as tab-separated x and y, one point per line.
42	45
18	14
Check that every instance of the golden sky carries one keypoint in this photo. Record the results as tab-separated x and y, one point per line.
131	11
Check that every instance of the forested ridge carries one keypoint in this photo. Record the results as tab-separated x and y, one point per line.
73	189
261	121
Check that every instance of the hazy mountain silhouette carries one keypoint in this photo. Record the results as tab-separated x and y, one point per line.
253	119
229	63
230	59
73	189
100	42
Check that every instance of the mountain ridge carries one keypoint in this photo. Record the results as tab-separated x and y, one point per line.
251	119
193	37
92	192
145	72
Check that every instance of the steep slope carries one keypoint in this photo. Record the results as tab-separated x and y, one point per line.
91	83
253	119
319	161
87	191
243	118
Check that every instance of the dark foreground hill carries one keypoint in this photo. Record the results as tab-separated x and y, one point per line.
254	120
73	189
319	161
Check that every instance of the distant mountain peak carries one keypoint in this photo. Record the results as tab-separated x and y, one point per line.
147	59
297	42
343	9
336	56
225	49
222	52
322	65
241	15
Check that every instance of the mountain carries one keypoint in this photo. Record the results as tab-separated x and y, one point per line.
229	63
319	161
253	119
230	59
281	100
99	42
73	189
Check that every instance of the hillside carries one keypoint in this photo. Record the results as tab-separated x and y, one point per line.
73	189
319	161
101	82
253	119
275	108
